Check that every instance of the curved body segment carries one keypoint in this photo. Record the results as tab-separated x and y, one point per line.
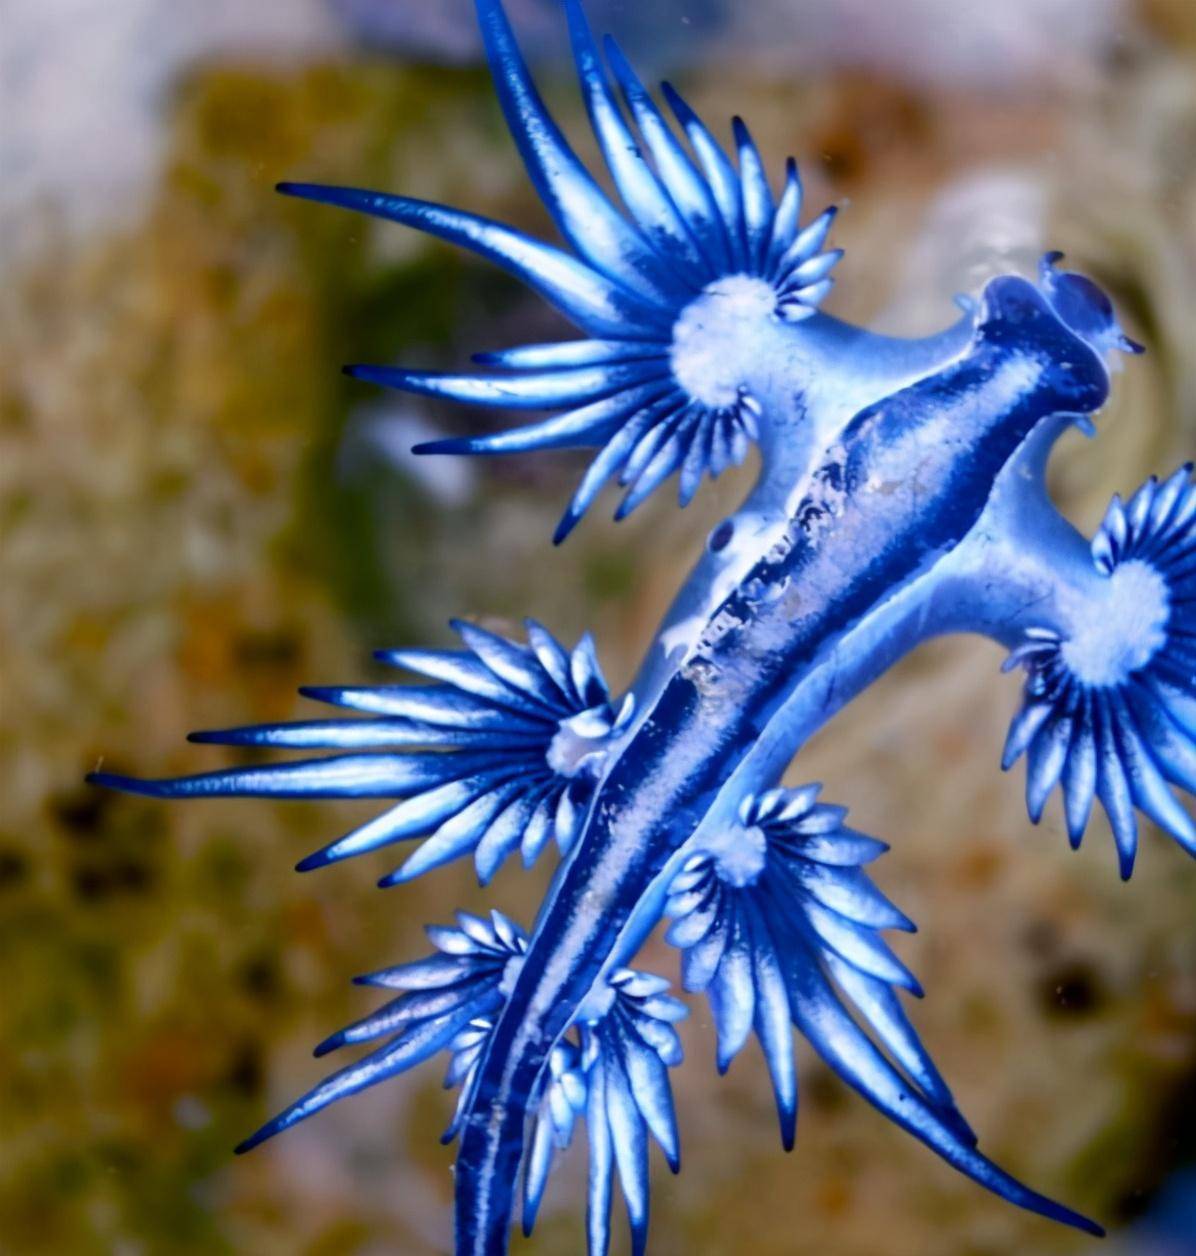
903	486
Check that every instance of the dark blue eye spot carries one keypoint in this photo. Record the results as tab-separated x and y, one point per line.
1082	305
1086	291
1080	296
720	538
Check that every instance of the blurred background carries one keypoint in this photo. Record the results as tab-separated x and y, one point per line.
199	514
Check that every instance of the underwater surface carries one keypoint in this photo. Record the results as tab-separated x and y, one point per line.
199	514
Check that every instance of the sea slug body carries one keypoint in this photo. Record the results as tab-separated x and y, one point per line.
901	496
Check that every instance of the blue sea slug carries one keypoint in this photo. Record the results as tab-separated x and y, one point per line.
901	496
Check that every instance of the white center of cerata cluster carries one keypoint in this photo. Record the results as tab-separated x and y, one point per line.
1126	631
578	745
718	335
739	855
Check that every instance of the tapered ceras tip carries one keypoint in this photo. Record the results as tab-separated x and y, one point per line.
248	1144
372	373
449	446
323	193
565	528
319	860
126	784
326	694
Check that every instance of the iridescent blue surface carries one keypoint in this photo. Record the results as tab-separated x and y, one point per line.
901	496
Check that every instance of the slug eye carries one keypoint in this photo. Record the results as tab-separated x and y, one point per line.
1079	302
720	538
1082	304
